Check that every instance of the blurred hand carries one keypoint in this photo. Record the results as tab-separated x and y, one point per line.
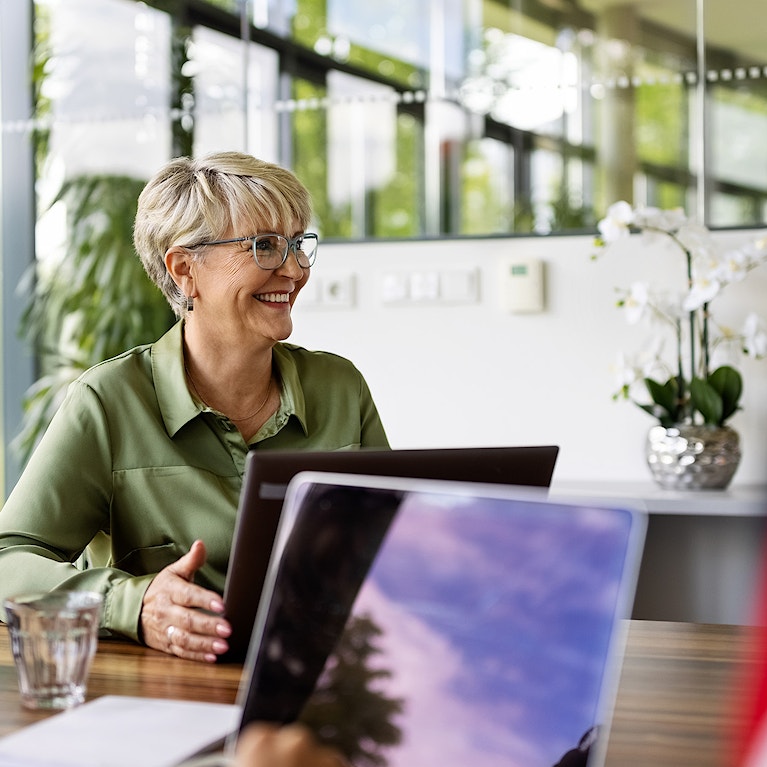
267	745
171	618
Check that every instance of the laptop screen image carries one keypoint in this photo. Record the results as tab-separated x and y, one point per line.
268	472
413	622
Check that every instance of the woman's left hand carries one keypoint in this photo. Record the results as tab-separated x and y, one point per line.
181	618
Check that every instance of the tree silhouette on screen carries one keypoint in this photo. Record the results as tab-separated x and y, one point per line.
348	708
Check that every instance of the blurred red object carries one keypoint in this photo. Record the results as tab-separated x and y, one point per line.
749	742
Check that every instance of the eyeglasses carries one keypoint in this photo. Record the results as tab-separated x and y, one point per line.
271	250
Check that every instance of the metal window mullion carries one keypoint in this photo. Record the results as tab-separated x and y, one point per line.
17	216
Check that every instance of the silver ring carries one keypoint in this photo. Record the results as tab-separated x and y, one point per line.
169	633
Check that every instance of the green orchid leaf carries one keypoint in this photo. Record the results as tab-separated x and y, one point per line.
665	396
663	417
728	383
707	401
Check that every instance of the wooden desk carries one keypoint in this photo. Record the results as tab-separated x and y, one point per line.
672	705
122	668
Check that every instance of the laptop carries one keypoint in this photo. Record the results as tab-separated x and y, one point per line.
268	472
409	622
417	622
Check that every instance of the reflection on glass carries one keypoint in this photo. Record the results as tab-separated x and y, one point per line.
420	92
104	88
350	707
223	118
478	630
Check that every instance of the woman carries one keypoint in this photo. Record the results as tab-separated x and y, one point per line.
143	462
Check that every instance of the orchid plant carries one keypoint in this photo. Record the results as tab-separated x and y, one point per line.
702	385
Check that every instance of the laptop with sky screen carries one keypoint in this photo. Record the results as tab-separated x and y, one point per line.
268	472
413	623
439	623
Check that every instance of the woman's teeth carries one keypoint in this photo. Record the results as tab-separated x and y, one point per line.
277	298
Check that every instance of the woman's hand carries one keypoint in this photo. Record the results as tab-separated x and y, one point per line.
175	614
267	745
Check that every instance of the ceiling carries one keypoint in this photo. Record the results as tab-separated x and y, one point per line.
735	25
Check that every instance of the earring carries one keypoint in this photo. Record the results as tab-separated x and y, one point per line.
189	304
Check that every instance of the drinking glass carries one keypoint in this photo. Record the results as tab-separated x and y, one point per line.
53	640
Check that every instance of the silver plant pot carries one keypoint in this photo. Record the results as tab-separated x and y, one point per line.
687	457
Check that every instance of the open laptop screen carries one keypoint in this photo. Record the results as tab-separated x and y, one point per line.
268	472
414	623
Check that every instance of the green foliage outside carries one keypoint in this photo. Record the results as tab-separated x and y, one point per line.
41	56
95	303
310	24
662	120
394	206
310	153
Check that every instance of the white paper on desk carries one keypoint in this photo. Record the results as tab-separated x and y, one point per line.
121	731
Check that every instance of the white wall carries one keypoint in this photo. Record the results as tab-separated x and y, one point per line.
476	374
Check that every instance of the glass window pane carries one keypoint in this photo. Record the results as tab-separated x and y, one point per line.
358	154
223	117
397	203
488	203
107	86
611	89
736	89
308	155
737	127
548	114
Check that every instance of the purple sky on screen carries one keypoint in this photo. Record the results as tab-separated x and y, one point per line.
497	633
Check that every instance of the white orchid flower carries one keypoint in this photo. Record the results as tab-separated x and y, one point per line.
699	345
625	372
616	223
697	240
665	220
636	302
732	267
727	349
704	288
650	358
667	307
754	336
755	253
647	216
630	372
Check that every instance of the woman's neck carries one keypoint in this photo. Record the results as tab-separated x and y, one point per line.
237	381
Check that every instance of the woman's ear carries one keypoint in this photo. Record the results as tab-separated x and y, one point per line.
179	263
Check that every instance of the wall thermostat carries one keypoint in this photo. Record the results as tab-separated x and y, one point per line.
523	283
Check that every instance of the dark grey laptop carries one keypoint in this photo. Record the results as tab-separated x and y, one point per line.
267	474
415	622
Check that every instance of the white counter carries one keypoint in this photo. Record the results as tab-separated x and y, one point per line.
705	550
737	500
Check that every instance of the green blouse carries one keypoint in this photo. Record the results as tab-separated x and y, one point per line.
132	456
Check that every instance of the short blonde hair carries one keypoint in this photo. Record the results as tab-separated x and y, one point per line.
196	200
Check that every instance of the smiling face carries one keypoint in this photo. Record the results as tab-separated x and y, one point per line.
235	300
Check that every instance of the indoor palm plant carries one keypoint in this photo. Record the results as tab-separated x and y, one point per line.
696	389
93	303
